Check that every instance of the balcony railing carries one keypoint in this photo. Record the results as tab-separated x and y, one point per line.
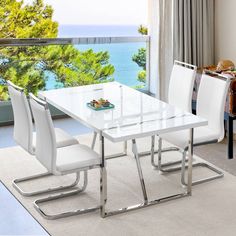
126	70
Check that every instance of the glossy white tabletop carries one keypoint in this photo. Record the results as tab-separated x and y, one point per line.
134	113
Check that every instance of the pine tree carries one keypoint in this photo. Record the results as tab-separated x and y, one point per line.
30	66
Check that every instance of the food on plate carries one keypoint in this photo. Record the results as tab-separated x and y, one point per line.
101	100
100	103
106	103
97	105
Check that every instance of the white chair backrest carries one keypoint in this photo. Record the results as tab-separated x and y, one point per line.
211	101
181	85
45	134
23	127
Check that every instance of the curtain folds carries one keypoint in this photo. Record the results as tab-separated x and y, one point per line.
194	31
165	50
180	30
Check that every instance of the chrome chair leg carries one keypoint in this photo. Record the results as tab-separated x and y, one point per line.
183	167
48	190
94	140
161	166
219	173
62	195
125	147
147	153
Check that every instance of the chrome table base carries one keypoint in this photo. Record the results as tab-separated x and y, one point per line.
146	202
140	173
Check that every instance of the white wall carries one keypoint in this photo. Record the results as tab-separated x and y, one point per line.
225	25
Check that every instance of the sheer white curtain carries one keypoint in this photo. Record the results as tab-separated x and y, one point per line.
161	45
180	30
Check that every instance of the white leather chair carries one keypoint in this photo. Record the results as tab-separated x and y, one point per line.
59	161
180	95
181	85
210	105
26	138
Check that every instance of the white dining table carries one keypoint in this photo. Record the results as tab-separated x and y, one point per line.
135	115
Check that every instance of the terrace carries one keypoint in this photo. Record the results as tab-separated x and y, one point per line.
129	175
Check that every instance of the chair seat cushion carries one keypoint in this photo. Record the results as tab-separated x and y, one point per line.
63	139
76	157
180	138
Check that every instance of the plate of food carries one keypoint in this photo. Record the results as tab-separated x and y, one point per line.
100	104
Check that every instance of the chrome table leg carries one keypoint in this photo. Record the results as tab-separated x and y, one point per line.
140	173
146	203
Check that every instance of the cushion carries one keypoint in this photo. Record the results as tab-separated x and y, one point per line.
76	157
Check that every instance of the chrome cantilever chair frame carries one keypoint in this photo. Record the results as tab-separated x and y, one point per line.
42	191
63	195
170	149
161	167
29	149
34	100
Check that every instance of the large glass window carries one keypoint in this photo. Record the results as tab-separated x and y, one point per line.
112	47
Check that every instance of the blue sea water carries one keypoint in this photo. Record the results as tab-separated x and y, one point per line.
126	71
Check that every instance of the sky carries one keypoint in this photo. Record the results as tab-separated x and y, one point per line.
101	12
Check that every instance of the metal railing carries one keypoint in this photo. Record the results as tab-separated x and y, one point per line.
83	41
66	41
4	43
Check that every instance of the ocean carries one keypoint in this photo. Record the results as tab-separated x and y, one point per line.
126	71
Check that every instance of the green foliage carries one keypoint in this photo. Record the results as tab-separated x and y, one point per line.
79	68
142	76
143	30
26	21
140	86
30	66
140	57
